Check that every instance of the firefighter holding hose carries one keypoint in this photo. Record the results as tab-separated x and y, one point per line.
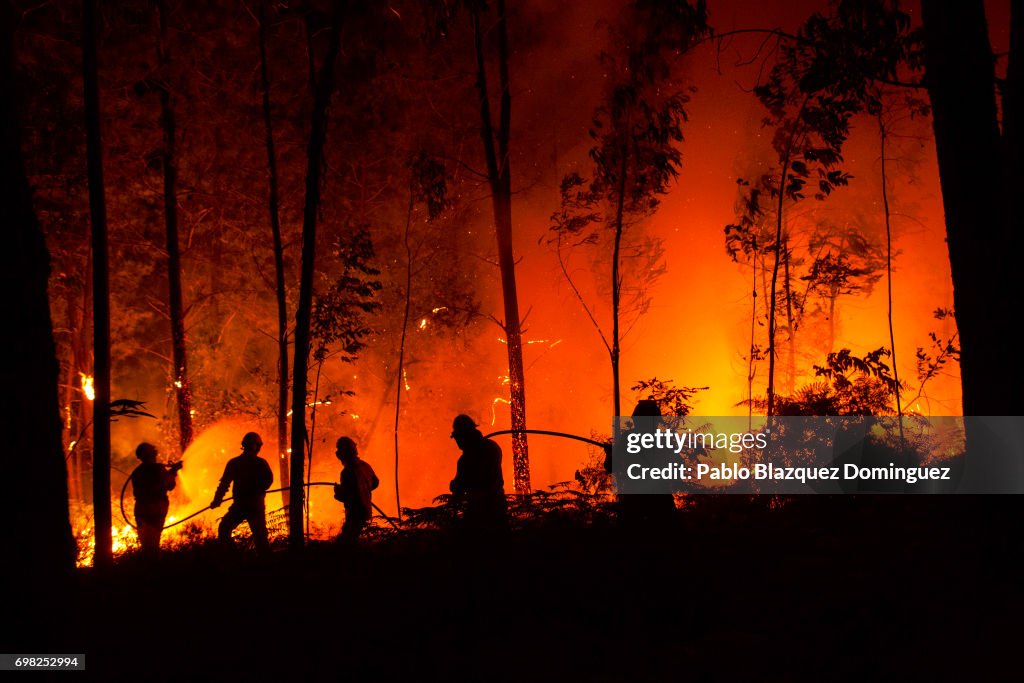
151	481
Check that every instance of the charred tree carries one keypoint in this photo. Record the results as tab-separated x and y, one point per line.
279	289
978	168
179	355
42	548
303	315
499	176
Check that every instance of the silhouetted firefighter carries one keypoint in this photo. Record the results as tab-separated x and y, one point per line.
643	509
150	483
358	480
478	484
252	477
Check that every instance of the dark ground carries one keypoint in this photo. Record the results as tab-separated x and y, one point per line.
855	588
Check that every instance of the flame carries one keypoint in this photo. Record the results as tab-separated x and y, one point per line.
123	539
496	401
325	402
423	324
87	386
437	310
405	378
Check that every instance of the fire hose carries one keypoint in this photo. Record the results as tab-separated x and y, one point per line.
563	435
545	432
124	515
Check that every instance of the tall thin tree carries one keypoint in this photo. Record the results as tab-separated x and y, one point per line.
102	521
279	288
314	166
637	130
499	176
179	353
882	135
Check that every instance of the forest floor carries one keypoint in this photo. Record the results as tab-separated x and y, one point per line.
810	588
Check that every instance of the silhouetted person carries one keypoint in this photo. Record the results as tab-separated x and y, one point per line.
251	476
638	509
150	483
358	480
478	484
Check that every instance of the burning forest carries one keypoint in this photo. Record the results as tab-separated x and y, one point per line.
439	246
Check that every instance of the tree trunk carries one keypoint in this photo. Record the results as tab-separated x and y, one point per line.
787	157
41	548
787	284
303	314
775	280
888	274
616	349
401	346
961	83
183	391
275	229
500	178
102	521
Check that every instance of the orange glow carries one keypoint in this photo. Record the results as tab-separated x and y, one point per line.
696	330
87	386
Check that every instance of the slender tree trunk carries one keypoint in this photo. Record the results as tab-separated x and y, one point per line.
620	204
833	295
73	395
888	275
775	265
400	384
774	287
279	289
102	520
753	322
182	389
500	177
83	451
303	314
961	83
791	332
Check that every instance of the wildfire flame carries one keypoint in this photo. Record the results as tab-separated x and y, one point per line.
87	386
495	402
